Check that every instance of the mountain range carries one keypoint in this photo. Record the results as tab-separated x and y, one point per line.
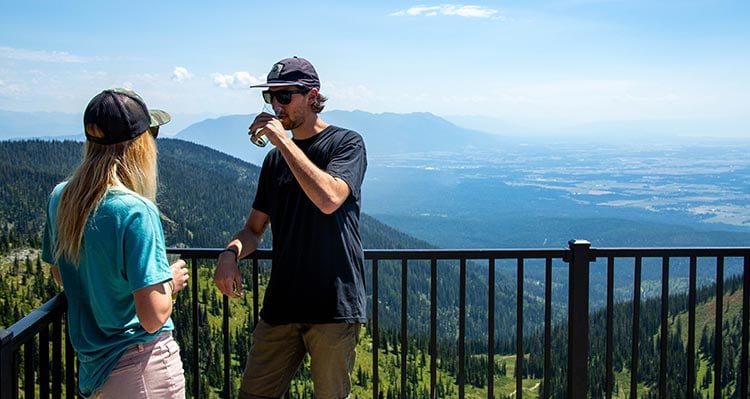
384	134
427	175
26	125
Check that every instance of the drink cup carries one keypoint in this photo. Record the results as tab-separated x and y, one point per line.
172	258
258	138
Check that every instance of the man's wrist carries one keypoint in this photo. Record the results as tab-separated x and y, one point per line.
234	251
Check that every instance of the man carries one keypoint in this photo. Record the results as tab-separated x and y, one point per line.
309	192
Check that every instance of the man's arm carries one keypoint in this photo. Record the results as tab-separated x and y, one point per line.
325	191
227	276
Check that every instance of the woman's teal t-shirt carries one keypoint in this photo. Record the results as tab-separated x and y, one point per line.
122	251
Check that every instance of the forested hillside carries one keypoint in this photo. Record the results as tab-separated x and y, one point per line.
205	197
648	352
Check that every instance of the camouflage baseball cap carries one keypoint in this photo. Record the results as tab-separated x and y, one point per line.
122	115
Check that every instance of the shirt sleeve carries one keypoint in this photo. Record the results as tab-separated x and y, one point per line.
49	235
349	162
261	193
145	256
48	248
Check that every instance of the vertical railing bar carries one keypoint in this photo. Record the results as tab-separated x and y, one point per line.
491	328
461	327
196	322
44	366
71	362
375	330
433	327
719	326
256	292
57	357
636	328
547	329
744	355
579	258
609	344
227	357
664	334
404	319
690	350
519	328
28	368
8	369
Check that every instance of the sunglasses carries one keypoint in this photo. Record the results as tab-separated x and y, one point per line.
154	131
284	97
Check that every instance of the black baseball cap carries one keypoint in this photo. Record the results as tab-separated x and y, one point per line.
122	115
293	71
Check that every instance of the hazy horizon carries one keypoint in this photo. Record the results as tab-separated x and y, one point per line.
549	66
654	130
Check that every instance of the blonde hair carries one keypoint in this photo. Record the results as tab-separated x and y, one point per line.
130	165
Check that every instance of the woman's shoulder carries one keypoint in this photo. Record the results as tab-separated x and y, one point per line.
57	191
127	201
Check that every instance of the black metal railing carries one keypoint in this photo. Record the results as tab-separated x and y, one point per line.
42	327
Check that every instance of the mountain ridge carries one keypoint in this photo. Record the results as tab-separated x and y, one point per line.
384	134
31	168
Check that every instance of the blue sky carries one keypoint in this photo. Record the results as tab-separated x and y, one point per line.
537	64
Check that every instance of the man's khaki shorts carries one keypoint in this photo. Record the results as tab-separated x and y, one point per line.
277	351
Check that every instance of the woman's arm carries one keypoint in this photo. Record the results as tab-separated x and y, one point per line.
56	275
153	304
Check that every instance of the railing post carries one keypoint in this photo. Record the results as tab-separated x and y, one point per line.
7	365
579	258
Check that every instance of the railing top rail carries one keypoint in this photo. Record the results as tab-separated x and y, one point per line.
464	253
507	253
504	253
29	326
672	252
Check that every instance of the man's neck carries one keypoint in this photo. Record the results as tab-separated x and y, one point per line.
310	129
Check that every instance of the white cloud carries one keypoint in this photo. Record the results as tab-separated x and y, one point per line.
41	56
469	11
9	88
181	74
237	80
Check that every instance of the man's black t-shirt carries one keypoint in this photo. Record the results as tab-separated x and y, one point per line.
318	263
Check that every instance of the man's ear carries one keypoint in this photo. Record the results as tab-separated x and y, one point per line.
312	95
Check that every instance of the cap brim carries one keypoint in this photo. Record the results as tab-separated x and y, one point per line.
159	117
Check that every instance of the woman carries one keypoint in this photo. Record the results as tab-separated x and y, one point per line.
105	239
